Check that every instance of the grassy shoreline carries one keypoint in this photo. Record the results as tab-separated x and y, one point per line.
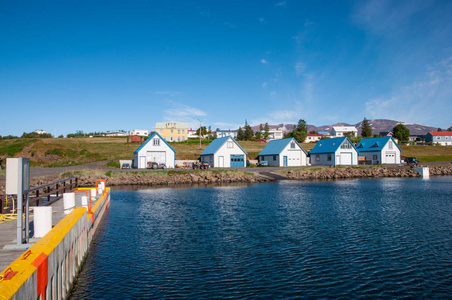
59	152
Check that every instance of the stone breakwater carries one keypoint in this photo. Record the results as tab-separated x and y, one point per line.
377	172
174	178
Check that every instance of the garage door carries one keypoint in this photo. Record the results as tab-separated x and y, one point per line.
156	156
390	158
237	160
346	159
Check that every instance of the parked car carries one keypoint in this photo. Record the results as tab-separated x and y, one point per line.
411	160
263	163
262	141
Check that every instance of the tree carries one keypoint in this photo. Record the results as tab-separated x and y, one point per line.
401	132
366	130
449	129
313	132
300	131
260	132
439	129
240	134
266	130
248	132
201	131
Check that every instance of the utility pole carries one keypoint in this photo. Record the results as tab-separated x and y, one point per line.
199	133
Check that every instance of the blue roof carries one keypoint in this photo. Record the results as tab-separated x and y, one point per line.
216	144
374	144
329	145
149	139
275	147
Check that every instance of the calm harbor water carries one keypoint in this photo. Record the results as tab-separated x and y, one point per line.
380	238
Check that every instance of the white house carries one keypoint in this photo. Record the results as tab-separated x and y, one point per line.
275	134
154	149
314	137
139	132
338	131
283	153
380	150
334	152
229	132
224	153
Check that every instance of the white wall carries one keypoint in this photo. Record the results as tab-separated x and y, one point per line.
226	153
170	155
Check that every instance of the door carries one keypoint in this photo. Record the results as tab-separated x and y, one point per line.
346	159
142	162
220	161
285	161
237	160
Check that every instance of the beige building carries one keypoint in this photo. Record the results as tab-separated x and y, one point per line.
172	131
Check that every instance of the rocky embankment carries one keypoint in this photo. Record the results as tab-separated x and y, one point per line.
376	172
172	178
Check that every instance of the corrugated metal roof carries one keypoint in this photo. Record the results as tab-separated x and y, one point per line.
441	133
329	145
374	144
149	139
216	144
275	147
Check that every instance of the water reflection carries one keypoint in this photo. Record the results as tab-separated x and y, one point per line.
388	238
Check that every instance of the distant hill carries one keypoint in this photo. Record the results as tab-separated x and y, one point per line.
377	125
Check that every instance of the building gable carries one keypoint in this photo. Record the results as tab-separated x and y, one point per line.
152	139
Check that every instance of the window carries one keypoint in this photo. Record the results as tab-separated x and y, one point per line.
156	142
171	131
178	131
346	145
390	145
317	157
292	145
329	157
183	131
375	157
274	157
161	131
230	145
437	137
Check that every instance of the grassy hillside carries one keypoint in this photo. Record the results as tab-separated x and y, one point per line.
67	152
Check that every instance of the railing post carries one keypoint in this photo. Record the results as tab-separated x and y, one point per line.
57	190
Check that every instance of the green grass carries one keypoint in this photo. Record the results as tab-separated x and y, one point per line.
13	147
113	164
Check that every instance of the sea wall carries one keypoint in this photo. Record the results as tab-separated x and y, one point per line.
136	178
48	268
363	172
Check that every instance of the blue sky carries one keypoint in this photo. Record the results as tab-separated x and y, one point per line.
109	65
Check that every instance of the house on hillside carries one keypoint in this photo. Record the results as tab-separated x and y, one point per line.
172	131
379	150
229	132
224	153
334	152
338	131
139	132
315	137
443	138
283	153
154	149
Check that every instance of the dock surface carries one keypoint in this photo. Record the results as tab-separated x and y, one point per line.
8	233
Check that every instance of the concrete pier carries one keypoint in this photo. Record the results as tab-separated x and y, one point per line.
47	267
